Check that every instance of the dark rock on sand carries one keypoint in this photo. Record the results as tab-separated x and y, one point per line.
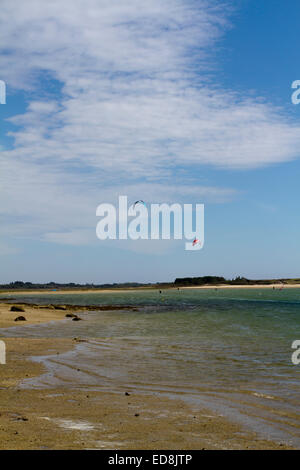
21	318
76	318
16	309
71	315
73	308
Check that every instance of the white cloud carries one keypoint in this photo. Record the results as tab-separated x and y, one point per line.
60	207
135	104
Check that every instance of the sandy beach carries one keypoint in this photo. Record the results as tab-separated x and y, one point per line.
65	418
15	293
33	315
68	419
149	255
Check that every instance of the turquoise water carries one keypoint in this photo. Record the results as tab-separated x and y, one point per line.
227	349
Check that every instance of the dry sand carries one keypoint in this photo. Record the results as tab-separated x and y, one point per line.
32	315
254	286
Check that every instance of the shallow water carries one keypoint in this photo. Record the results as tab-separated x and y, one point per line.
228	349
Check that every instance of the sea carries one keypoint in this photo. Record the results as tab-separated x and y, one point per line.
226	350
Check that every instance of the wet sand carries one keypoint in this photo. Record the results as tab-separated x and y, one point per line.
69	418
65	418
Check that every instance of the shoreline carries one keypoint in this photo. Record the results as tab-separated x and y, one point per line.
68	418
33	315
37	314
130	289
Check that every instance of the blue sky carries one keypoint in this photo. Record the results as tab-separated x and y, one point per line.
185	101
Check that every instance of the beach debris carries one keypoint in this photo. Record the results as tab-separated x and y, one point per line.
127	394
60	307
17	417
20	318
79	340
137	414
196	241
16	309
74	317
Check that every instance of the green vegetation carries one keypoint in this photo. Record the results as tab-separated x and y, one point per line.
238	281
200	281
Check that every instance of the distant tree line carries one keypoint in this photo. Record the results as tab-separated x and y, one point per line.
200	281
69	285
180	281
240	281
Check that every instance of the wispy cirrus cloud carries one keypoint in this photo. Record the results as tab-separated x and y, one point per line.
119	99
